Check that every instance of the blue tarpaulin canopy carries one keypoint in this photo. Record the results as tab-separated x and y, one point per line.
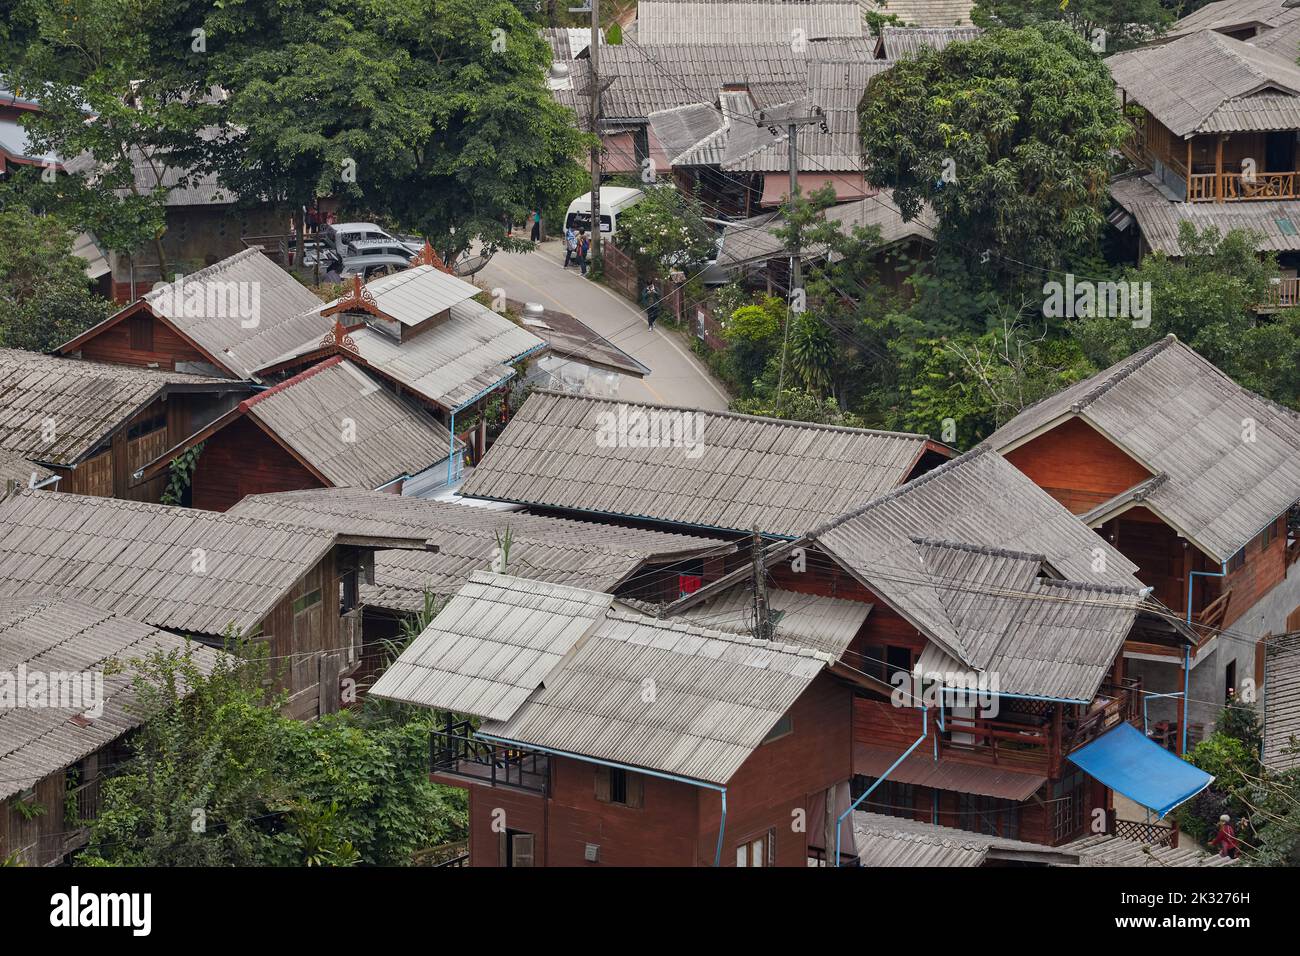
1125	760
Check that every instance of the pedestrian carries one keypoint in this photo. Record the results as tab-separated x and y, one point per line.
335	271
584	246
652	298
570	245
1226	838
537	225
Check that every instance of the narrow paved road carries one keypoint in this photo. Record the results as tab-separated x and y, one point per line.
676	376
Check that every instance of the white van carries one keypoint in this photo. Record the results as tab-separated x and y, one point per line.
613	200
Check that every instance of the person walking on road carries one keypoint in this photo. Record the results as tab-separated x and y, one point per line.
652	299
584	246
537	225
570	246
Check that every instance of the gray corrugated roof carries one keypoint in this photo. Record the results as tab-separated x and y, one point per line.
741	472
716	696
1275	225
79	403
286	318
419	293
1282	702
744	21
755	240
1235	13
897	841
17	468
920	769
556	668
451	363
1187	83
46	636
940	551
492	645
349	427
1284	39
139	559
924	13
1177	414
900	42
647	79
1104	850
598	557
810	620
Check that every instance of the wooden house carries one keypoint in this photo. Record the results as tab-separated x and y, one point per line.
54	757
201	574
1215	125
328	427
594	748
92	425
1192	478
968	575
689	470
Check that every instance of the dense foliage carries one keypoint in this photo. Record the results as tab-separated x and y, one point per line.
219	777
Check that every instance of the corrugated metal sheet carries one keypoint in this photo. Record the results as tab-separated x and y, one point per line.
899	42
920	769
48	636
180	568
59	410
823	623
287	311
755	240
924	13
492	646
744	21
1185	83
552	550
1282	703
1284	38
418	293
713	695
896	841
1235	13
1104	850
349	427
453	362
1177	414
738	473
17	468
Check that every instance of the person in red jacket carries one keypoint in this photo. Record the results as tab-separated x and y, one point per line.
1226	838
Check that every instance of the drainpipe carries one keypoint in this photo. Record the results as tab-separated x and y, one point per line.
722	825
451	446
925	731
1187	651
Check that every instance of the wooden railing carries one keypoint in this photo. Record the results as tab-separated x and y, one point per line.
1283	293
1122	705
1240	187
1003	742
455	751
1148	834
1212	615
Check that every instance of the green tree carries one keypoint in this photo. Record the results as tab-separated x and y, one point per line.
1207	299
45	298
432	113
1009	137
666	231
797	405
1108	25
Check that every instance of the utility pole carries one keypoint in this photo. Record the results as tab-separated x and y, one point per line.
762	613
593	53
792	115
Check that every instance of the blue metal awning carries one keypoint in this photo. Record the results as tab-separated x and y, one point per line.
1125	760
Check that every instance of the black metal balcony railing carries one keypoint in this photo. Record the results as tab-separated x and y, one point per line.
455	751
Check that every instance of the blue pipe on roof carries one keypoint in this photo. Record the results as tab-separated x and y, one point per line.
925	731
722	825
1187	651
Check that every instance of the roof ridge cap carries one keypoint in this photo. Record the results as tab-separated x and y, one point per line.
290	382
979	548
1122	370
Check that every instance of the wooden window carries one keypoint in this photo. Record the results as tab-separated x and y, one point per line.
1230	681
310	599
517	849
1269	533
890	798
140	329
782	728
1237	560
988	815
621	787
758	850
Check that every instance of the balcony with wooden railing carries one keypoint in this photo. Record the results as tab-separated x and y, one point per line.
454	752
1283	293
1243	187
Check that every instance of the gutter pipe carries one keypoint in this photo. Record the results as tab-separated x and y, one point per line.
925	732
